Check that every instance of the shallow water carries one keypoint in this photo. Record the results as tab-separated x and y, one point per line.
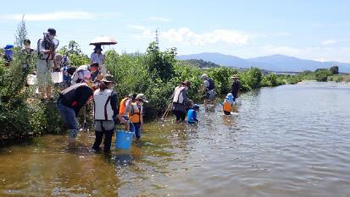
285	141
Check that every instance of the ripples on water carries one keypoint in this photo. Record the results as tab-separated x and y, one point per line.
285	141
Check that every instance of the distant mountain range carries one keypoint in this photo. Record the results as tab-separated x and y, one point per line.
280	63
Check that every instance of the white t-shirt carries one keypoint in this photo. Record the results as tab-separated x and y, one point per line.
99	58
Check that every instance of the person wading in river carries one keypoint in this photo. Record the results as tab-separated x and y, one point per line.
136	114
69	103
105	113
180	101
235	86
208	89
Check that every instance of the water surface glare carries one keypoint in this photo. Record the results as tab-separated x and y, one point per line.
291	140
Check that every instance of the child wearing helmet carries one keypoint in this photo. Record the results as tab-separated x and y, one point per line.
228	104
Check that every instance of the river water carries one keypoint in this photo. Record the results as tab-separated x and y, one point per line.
291	140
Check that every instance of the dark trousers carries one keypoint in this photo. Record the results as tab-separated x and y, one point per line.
180	115
107	142
136	129
227	113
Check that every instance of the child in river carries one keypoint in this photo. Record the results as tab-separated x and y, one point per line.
192	114
228	104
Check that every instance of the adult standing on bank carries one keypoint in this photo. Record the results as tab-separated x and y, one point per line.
105	113
69	103
98	57
235	86
46	49
181	100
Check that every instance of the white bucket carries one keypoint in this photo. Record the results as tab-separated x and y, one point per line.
57	77
31	79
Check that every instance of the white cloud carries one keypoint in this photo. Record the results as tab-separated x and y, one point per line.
158	19
185	35
329	42
58	15
320	59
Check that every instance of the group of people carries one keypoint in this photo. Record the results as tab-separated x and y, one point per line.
182	105
93	83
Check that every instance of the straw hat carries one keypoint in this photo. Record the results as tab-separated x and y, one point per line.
186	83
108	79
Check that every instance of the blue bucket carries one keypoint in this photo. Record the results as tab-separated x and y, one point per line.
124	139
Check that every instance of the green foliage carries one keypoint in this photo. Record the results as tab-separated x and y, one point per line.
160	64
271	80
73	51
200	63
322	74
222	77
22	114
251	79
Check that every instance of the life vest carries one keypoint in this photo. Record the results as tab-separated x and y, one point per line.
211	84
135	114
227	106
191	116
68	95
122	106
178	96
102	105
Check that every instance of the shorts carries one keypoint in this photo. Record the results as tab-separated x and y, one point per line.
227	113
43	72
104	125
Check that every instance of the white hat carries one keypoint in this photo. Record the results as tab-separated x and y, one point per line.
141	97
204	76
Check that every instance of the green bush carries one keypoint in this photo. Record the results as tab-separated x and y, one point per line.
271	80
322	74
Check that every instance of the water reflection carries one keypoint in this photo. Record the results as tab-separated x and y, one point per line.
284	141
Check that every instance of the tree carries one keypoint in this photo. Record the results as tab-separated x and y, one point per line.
161	63
21	33
334	70
74	48
322	74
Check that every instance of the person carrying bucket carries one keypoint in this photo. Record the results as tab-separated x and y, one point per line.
105	113
192	114
136	114
180	101
228	104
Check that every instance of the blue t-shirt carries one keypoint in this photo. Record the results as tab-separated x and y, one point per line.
192	116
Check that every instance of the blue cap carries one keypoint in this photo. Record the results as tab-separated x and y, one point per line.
195	106
9	46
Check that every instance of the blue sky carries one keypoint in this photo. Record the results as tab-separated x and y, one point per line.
312	29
